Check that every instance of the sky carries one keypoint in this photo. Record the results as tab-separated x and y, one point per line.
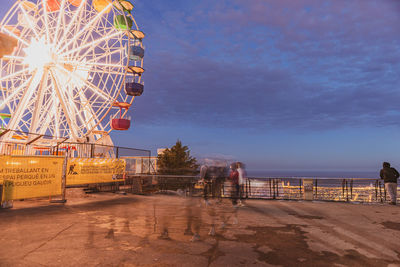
279	85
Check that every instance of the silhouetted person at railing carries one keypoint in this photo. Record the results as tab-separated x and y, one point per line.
242	182
390	176
234	179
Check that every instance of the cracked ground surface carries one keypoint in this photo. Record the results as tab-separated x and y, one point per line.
116	230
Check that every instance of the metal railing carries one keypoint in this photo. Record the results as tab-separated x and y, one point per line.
366	190
324	189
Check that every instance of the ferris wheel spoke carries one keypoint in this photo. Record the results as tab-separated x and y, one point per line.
106	55
56	109
96	56
46	20
87	26
77	14
2	79
72	104
103	71
14	58
90	85
22	104
14	93
46	118
72	123
60	15
47	107
88	110
91	61
91	44
28	19
38	102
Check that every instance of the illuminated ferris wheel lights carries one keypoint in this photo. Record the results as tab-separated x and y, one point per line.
39	54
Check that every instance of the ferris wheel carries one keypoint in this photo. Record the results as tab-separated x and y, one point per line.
76	69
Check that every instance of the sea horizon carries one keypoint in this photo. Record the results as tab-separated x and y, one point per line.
312	173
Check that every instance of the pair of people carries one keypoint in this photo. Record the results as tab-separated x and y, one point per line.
390	176
237	177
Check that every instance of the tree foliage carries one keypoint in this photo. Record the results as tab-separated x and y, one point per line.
177	160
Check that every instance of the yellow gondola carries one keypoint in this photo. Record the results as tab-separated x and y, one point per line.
123	5
135	34
135	70
100	5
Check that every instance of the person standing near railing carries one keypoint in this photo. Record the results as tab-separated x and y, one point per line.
242	180
390	176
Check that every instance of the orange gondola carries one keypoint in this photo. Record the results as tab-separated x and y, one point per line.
53	5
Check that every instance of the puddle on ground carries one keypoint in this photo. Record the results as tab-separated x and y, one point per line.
301	216
287	246
391	225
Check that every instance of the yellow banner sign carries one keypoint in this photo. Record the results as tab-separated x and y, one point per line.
28	177
82	171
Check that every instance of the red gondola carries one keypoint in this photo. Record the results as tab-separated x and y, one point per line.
121	124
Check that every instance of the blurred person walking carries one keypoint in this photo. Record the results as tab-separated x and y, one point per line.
390	176
205	178
234	178
242	182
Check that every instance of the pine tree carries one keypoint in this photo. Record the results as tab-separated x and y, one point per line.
177	160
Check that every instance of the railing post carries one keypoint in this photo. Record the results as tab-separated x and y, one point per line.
249	187
300	182
384	190
351	189
92	150
343	181
273	188
277	187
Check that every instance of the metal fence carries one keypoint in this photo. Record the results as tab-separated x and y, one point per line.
364	190
30	144
324	189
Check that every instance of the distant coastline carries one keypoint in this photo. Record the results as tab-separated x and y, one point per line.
312	174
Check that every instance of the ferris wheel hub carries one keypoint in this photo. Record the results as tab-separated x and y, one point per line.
39	54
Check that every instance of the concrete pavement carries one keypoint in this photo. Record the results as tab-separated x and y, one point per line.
116	230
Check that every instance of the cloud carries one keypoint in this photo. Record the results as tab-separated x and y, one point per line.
273	64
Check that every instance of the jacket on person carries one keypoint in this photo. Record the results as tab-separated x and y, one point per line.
234	177
388	174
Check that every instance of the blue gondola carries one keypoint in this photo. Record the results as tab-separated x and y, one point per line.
136	53
134	88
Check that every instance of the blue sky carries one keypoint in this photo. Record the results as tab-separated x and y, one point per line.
302	84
